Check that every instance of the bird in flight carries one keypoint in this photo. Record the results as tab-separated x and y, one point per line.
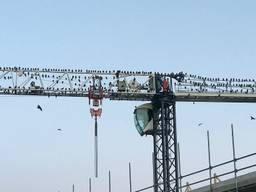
39	107
252	118
59	129
200	124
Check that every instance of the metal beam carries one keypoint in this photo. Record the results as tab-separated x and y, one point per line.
165	146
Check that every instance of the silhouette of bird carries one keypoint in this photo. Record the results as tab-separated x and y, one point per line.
200	124
39	107
59	129
252	118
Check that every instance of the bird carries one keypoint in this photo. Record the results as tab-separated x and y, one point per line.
199	124
39	107
252	118
59	129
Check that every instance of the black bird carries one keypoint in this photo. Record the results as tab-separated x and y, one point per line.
199	124
252	118
39	107
59	129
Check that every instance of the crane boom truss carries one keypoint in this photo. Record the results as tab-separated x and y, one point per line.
123	85
73	83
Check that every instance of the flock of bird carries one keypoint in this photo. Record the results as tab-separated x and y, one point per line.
199	124
251	117
41	109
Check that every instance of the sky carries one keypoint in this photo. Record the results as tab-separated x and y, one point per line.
208	38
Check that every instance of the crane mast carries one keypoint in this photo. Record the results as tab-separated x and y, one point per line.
162	90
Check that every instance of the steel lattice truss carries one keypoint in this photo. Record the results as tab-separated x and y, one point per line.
76	83
205	89
165	163
123	85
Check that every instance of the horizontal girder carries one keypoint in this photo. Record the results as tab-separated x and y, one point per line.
124	85
215	97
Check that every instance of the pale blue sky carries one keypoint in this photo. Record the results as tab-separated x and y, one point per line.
209	38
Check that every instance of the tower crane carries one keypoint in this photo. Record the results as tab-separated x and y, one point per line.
157	117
